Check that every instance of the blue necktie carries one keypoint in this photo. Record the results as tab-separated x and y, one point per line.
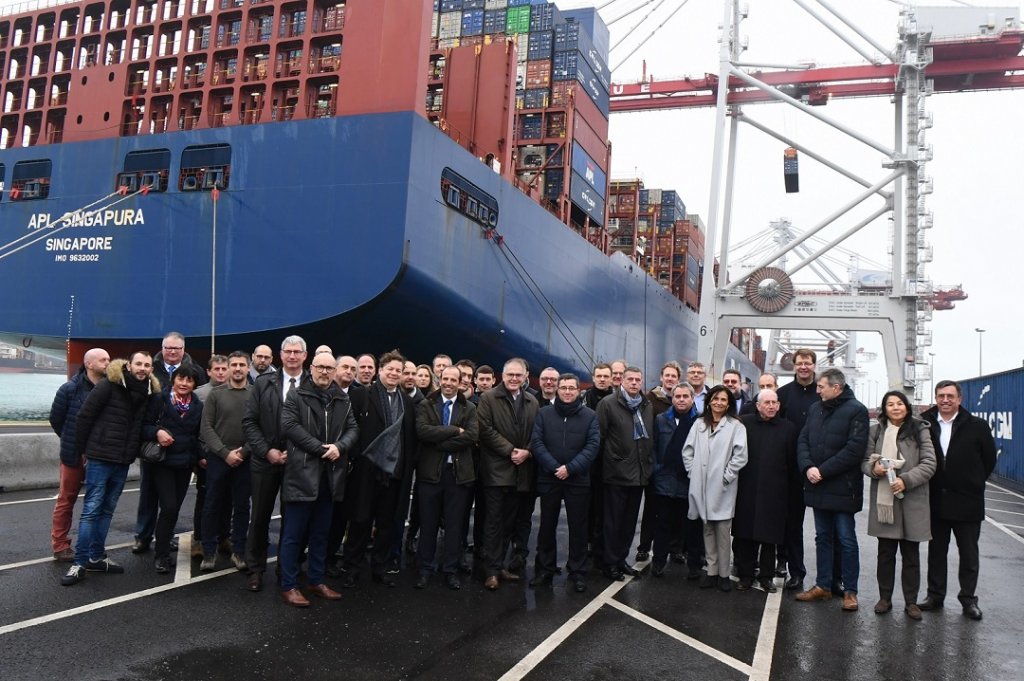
171	369
447	417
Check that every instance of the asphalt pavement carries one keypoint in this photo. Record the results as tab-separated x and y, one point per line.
194	626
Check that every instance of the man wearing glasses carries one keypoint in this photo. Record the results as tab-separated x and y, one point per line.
321	429
268	449
262	358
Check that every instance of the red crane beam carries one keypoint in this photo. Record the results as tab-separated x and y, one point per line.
988	63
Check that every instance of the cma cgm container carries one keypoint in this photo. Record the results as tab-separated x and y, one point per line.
571	38
998	399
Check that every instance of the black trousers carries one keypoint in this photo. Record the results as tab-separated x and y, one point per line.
501	505
794	546
910	576
524	524
621	511
441	504
145	517
670	522
266	487
745	556
171	486
595	520
967	536
384	510
577	501
648	520
225	484
336	535
224	530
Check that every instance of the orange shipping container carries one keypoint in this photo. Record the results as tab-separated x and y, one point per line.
561	92
538	73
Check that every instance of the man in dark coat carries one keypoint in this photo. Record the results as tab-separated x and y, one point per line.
107	433
661	400
268	450
671	486
760	519
382	471
966	456
321	431
447	427
626	421
69	399
506	415
795	401
565	443
830	450
601	389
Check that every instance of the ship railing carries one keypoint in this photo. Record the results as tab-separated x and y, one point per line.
292	29
250	116
321	109
331	24
282	113
33	5
188	122
324	64
59	98
256	72
219	120
229	39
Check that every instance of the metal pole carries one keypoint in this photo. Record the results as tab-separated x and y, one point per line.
214	195
980	331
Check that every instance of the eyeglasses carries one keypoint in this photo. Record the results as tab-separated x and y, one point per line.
322	368
174	347
292	352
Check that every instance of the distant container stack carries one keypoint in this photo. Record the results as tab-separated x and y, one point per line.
561	153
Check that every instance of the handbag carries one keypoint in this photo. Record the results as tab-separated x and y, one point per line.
152	452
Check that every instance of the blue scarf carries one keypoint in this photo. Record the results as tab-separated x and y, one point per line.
639	430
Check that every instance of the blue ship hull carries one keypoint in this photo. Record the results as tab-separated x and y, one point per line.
335	229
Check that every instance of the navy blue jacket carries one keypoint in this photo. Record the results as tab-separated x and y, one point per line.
571	441
670	478
835	439
64	412
186	449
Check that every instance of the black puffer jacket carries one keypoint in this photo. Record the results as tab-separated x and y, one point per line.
312	418
110	421
835	439
64	412
162	415
957	490
625	461
571	439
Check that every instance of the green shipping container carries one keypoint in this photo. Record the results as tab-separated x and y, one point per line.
518	20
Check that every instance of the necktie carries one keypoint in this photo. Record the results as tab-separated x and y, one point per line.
291	384
447	412
171	369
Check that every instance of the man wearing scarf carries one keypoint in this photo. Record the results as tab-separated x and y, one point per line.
107	433
564	443
381	480
626	422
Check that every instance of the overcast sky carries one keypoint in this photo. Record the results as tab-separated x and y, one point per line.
976	137
977	141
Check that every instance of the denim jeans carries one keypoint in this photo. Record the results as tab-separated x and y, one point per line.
103	484
306	523
831	526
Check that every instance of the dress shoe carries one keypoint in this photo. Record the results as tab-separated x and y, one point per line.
930	603
509	576
768	586
209	563
642	555
815	593
64	555
850	601
678	558
421	581
794	584
657	569
542	579
884	605
972	611
162	565
517	563
629	571
913	612
579	586
140	546
255	582
239	562
708	582
325	592
452	582
744	584
725	584
693	573
614	574
294	598
197	548
385	578
491	583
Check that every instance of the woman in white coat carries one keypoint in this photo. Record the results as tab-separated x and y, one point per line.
714	453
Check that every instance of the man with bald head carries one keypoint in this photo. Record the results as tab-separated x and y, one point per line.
262	362
66	403
760	520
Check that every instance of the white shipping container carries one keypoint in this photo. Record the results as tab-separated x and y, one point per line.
451	25
521	75
435	25
495	4
653	197
522	42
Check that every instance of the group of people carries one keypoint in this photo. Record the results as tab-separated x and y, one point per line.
375	457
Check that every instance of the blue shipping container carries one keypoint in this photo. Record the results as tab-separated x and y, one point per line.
494	21
999	400
450	5
569	40
540	45
544	17
587	168
584	196
472	4
592	86
592	23
531	127
554	182
692	273
472	22
536	98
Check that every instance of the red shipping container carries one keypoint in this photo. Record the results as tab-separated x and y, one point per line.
538	73
561	93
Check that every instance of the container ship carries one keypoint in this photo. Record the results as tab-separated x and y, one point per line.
368	174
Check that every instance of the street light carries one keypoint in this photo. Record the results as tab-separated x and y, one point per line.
980	331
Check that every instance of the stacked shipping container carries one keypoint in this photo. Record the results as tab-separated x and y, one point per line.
561	99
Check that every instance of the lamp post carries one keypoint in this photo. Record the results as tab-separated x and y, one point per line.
980	331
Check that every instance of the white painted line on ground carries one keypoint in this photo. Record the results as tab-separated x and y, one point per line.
52	498
183	570
1006	491
1001	510
765	650
49	559
548	645
683	638
1005	529
1016	527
